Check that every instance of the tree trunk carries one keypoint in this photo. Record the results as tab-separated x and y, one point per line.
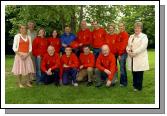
81	16
73	21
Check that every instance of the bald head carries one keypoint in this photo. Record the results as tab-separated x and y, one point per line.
83	24
105	50
51	50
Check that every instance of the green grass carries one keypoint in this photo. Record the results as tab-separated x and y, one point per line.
49	94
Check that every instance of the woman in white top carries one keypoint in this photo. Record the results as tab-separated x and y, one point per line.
137	55
23	65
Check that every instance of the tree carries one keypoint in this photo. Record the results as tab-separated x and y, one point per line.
56	17
143	13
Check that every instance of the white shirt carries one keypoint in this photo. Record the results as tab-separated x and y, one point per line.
17	41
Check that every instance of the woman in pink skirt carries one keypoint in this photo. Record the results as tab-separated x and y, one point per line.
23	65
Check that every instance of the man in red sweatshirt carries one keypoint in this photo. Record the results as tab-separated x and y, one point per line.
122	54
105	67
87	62
50	66
70	63
84	36
98	38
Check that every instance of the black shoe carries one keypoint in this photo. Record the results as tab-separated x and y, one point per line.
89	84
57	84
31	82
98	85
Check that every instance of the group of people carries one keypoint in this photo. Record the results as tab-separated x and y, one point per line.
87	56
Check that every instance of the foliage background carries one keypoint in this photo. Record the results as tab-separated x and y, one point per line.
53	16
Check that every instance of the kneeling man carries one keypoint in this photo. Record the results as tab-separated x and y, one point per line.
70	63
87	61
105	67
50	66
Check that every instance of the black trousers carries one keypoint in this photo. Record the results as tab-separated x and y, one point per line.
51	78
138	79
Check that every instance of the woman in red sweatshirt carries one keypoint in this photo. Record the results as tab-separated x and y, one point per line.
111	39
55	41
39	49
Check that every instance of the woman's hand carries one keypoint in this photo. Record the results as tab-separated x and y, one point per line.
119	58
21	55
26	55
132	54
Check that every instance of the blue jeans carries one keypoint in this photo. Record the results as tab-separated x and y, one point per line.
69	74
38	70
122	62
96	52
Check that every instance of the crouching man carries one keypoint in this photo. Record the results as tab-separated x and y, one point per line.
87	61
70	63
105	67
50	66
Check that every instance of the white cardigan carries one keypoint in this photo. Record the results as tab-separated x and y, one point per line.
138	46
17	40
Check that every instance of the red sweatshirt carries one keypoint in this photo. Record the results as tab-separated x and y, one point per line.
98	37
84	37
107	62
112	41
56	43
52	62
39	46
71	61
122	42
87	60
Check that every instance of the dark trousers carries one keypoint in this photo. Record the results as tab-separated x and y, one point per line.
138	79
102	77
68	75
123	77
51	78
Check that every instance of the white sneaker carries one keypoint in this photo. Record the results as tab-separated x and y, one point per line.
75	84
135	90
116	80
121	85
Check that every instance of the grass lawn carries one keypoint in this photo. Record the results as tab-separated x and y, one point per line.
49	94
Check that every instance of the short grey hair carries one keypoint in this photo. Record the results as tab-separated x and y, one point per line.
138	24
